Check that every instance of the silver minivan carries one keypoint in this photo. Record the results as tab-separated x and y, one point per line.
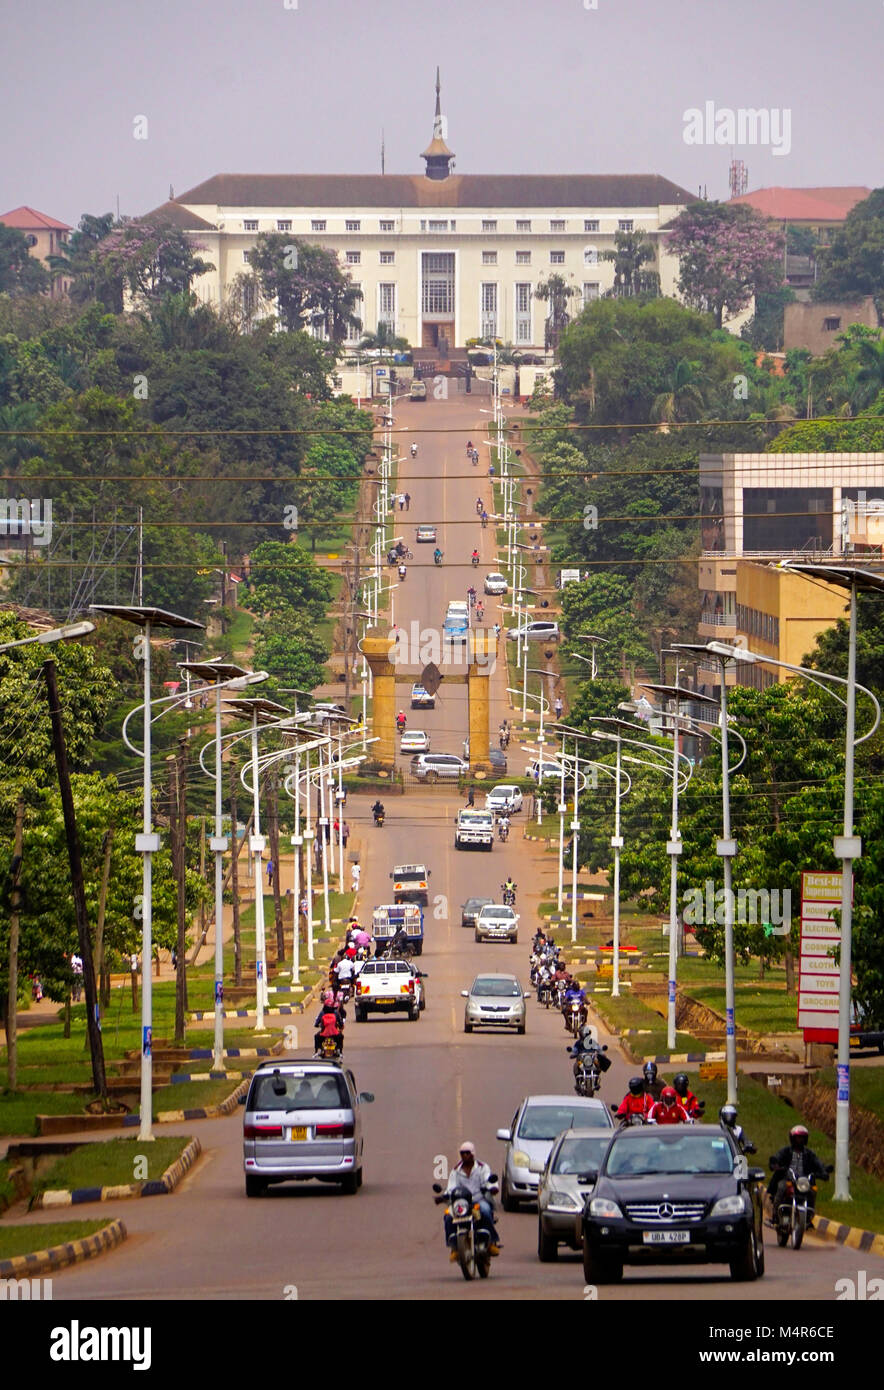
303	1120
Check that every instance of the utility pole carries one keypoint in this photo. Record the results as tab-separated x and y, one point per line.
100	974
93	1027
14	925
180	870
234	881
273	836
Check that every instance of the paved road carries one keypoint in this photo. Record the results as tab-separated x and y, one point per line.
434	1085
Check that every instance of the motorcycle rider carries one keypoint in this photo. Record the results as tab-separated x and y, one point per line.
509	889
402	571
437	555
653	1087
575	991
804	1164
727	1118
503	827
480	506
401	721
471	595
585	1046
686	1097
475	558
329	1024
635	1102
667	1111
473	1175
414	451
377	810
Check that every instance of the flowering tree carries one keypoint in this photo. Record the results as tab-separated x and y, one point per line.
727	253
152	259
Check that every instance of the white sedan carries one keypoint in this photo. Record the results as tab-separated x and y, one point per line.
504	799
414	741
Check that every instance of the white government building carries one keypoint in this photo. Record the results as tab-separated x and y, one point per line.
440	257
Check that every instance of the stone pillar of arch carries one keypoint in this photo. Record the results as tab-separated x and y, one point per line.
377	646
482	659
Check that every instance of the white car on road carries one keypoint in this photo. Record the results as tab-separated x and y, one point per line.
414	741
504	799
496	584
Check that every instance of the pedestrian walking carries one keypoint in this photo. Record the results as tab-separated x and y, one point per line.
408	501
471	796
402	501
345	834
355	872
269	873
559	707
77	971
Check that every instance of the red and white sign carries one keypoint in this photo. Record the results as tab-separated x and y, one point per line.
819	974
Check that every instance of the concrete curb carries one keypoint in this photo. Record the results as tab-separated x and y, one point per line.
246	1013
185	1076
153	1187
203	1054
206	1112
869	1242
59	1256
667	1058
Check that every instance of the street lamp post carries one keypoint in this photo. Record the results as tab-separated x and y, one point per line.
148	842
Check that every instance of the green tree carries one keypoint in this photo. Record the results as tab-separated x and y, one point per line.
603	605
558	294
631	251
89	278
306	283
727	252
683	399
853	264
20	272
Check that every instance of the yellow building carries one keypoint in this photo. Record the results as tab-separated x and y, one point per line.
780	614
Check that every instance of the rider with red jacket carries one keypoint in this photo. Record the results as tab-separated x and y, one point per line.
686	1097
635	1102
667	1110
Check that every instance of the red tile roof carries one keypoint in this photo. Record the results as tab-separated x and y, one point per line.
29	220
804	204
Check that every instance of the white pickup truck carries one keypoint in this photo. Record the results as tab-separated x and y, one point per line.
384	986
475	829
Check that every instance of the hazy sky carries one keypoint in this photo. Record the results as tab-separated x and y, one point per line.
529	87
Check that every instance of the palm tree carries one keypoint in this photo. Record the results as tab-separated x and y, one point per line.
631	251
383	340
684	400
869	380
557	292
76	263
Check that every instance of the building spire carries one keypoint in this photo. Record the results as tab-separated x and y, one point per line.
437	154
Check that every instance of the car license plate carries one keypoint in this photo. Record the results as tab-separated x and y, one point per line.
298	1134
854	1042
666	1237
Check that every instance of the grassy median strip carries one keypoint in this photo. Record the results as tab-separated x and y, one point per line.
25	1240
193	1095
627	1012
111	1163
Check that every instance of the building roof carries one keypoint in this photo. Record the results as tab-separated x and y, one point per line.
415	190
805	204
29	220
180	217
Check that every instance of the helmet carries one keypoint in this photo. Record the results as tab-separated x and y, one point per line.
467	1147
650	1071
669	1095
799	1135
680	1083
636	1085
728	1116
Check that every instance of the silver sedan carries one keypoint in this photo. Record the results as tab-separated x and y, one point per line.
494	1001
563	1188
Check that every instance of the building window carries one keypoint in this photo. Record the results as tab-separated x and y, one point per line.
489	258
488	316
831	325
590	255
354	257
489	225
388	257
523	225
590	224
354	333
250	226
523	312
590	290
557	224
625	224
385	225
247	257
387	305
317	225
284	224
352	226
423	224
523	258
557	258
438	226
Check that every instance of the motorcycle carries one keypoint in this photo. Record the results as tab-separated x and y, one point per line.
402	573
414	451
379	818
545	994
560	995
473	1240
503	831
588	1071
509	895
794	1212
475	560
437	557
575	1017
330	1049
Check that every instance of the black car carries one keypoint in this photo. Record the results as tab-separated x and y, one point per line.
674	1194
471	909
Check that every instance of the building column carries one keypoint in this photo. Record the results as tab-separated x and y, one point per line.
483	658
377	646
